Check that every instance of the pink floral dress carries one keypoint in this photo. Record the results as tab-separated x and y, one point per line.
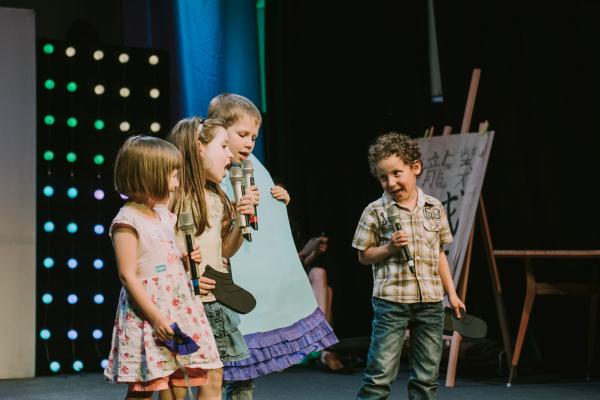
135	355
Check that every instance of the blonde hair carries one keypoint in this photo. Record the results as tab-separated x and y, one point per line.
143	167
192	178
231	108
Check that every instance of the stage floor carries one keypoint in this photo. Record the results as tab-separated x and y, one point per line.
301	383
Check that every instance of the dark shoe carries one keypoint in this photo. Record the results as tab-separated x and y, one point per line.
228	293
467	325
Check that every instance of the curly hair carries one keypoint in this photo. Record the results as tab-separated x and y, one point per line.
393	144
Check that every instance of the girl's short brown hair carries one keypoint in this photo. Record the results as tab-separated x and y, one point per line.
143	167
393	144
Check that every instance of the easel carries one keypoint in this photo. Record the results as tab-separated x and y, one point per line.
487	238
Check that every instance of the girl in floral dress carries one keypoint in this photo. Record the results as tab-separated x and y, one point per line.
204	147
156	291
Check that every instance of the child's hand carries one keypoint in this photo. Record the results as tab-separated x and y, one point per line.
398	239
247	203
196	255
254	194
457	305
163	329
206	284
281	194
322	247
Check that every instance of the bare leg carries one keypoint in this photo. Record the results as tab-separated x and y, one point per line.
318	281
138	395
173	393
324	295
329	305
212	389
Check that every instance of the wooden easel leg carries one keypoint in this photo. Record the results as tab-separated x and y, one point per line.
495	278
453	359
456	337
527	306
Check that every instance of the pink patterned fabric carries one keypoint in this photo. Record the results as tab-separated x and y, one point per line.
136	356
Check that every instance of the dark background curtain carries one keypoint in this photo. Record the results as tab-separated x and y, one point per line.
341	74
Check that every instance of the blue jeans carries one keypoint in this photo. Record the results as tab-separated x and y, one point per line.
390	321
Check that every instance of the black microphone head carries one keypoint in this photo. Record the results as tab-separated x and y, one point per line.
247	167
235	174
186	222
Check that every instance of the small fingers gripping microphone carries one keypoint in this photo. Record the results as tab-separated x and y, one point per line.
248	171
394	216
186	224
236	177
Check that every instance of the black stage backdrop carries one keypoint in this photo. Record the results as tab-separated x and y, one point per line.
340	74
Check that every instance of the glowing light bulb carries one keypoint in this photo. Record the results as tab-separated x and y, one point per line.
99	89
98	263
98	55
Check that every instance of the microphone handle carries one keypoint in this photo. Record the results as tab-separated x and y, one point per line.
254	218
406	251
244	215
190	247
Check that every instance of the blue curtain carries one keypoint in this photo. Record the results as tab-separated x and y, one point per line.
217	51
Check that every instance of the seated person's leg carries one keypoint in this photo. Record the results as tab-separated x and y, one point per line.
318	281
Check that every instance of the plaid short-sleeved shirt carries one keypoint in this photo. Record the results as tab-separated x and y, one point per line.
427	228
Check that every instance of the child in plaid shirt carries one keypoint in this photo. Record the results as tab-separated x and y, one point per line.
404	297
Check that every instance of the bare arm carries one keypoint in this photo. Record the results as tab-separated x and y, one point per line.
125	244
232	242
373	255
448	283
281	194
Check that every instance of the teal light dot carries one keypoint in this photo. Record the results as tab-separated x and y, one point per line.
48	262
71	86
49	226
54	366
98	159
48	155
47	298
48	48
45	334
77	366
71	157
72	227
49	84
48	191
99	124
72	192
72	122
49	119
